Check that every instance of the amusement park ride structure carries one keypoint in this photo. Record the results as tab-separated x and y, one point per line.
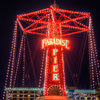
54	24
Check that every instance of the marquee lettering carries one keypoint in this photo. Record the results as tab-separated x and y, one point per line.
54	41
55	77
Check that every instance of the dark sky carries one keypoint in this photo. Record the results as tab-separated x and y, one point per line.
10	8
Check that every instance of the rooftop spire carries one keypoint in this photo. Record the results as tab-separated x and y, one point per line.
55	3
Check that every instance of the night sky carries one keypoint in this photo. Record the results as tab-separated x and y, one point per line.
10	8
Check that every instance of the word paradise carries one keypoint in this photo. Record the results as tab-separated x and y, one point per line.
56	42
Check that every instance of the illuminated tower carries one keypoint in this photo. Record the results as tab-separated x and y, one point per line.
54	71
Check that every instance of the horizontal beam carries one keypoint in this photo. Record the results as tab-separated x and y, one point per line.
42	89
77	32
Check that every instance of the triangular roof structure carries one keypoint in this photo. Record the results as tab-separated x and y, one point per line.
72	22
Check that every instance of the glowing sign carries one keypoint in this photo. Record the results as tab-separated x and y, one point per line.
55	77
55	60
54	52
55	68
55	41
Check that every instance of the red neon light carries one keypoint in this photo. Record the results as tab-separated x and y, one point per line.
55	68
55	41
55	77
46	16
55	60
52	23
55	51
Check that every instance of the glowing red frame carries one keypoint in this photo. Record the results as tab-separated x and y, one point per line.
54	23
37	22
